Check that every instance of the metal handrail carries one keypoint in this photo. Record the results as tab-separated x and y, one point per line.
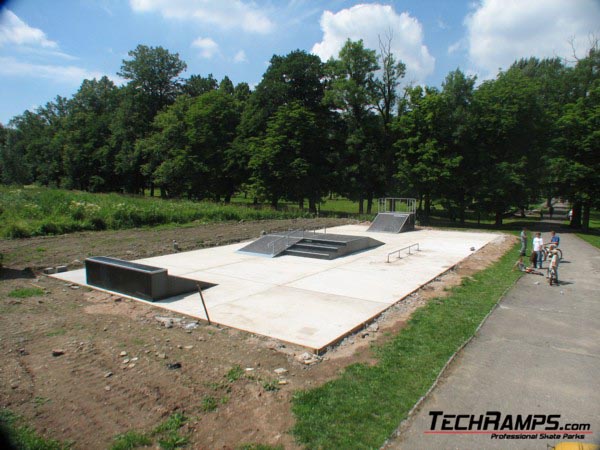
283	238
403	248
388	204
282	242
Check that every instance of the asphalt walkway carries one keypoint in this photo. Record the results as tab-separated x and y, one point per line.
538	353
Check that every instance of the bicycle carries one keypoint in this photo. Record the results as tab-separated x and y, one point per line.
546	252
552	276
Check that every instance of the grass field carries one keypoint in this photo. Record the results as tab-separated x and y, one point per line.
36	211
593	237
362	407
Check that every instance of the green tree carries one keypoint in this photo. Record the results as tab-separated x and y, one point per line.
507	132
190	151
426	161
154	71
197	85
88	157
287	164
351	90
296	77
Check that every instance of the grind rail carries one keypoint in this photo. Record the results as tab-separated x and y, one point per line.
402	249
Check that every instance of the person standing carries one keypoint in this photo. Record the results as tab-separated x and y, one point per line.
538	246
523	237
553	268
554	239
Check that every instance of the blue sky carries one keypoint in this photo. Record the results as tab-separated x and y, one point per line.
48	47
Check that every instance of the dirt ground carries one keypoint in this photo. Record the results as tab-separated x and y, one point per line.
114	372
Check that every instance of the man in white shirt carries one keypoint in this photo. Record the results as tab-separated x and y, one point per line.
538	246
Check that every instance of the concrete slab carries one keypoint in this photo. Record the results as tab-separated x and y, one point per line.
309	302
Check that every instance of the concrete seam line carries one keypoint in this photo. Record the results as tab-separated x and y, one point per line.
404	423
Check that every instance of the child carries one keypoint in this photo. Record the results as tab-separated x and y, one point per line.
553	268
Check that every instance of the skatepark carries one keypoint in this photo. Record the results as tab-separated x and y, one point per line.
311	300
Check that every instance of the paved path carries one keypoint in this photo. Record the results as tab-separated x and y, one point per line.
538	353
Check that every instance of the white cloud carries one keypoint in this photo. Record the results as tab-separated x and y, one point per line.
368	22
229	14
14	31
60	74
240	57
208	47
501	31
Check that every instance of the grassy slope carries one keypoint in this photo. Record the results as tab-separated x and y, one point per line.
35	211
362	407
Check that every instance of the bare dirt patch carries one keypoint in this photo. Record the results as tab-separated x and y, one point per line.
114	374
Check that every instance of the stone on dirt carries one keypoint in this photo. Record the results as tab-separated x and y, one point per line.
58	352
280	371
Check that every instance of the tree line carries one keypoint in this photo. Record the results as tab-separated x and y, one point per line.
312	128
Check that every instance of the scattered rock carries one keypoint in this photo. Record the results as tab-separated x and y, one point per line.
364	334
75	286
58	352
188	347
173	366
249	369
280	371
131	366
191	326
49	270
107	388
282	382
123	353
23	352
374	327
126	361
134	359
308	358
536	283
167	322
179	346
61	269
108	374
162	355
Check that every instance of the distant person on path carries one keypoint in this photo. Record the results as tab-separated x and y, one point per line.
523	237
538	246
554	239
551	211
570	215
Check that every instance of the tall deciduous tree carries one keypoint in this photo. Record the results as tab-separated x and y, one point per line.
351	90
507	132
288	163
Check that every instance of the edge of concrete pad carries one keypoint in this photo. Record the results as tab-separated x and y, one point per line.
404	424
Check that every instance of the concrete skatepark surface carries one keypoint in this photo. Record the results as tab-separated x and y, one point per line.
308	302
538	353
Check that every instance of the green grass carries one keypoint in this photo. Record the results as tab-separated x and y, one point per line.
362	407
167	435
130	440
24	437
37	211
26	292
593	237
234	374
